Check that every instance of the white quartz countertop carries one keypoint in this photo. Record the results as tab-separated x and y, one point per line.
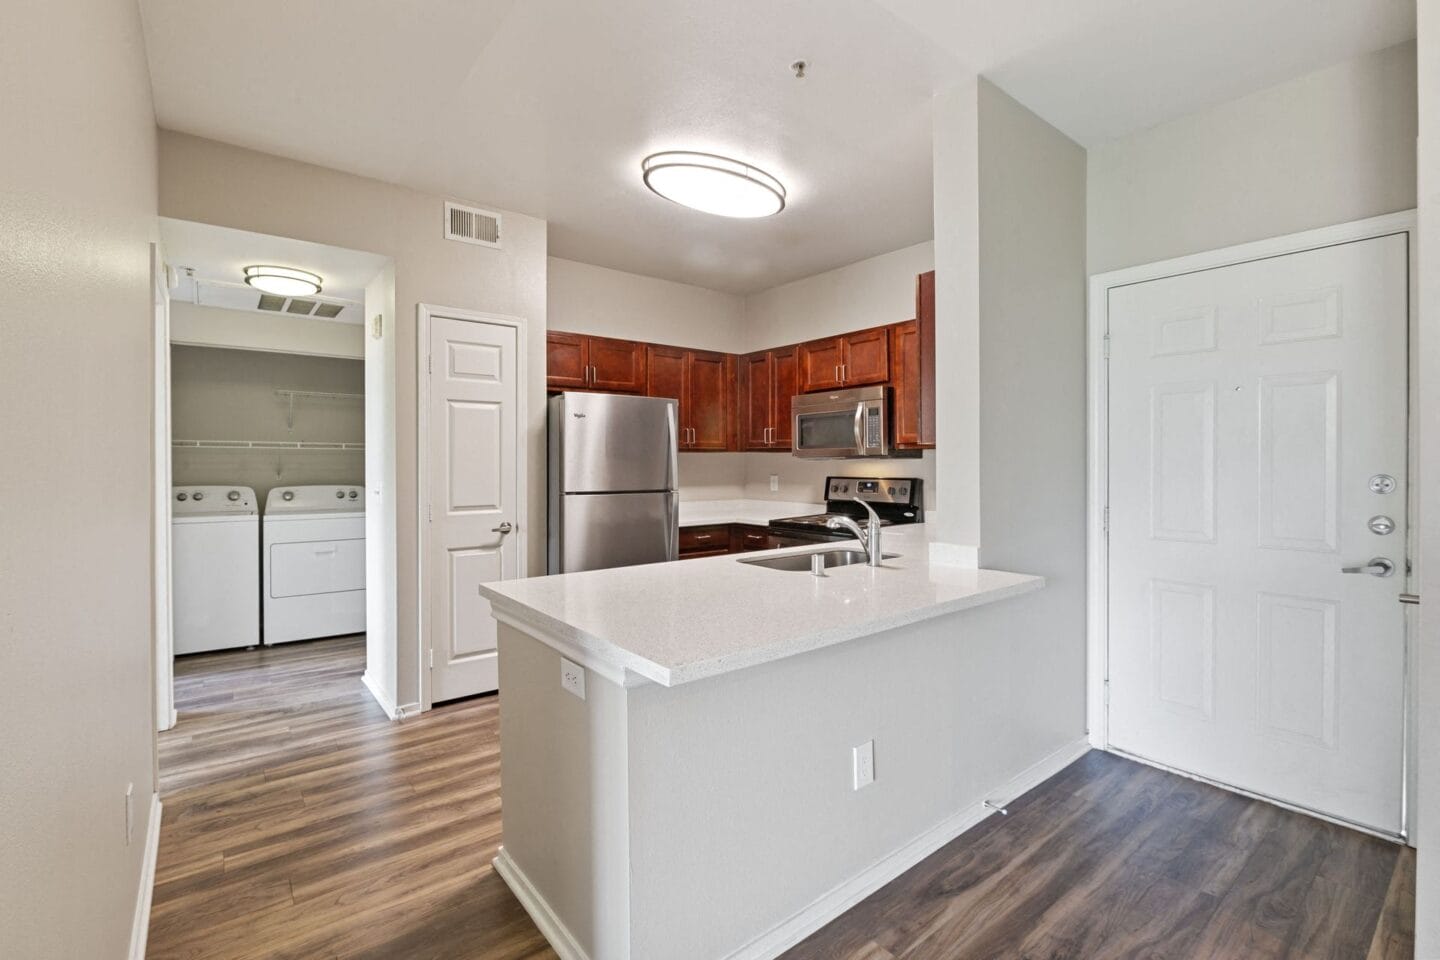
759	513
674	623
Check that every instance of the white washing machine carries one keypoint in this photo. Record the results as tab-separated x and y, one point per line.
215	568
314	562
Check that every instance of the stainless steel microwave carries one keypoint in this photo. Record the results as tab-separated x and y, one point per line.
843	424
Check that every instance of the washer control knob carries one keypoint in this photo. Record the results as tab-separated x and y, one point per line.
339	494
198	496
182	495
233	495
288	495
353	494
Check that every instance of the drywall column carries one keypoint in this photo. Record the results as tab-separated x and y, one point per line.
1427	898
1032	399
957	314
78	204
381	524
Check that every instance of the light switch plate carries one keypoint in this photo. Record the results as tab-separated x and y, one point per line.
864	763
572	677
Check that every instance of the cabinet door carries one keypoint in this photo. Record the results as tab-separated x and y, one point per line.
744	538
755	382
905	354
665	377
783	387
707	389
565	361
820	362
925	321
867	357
616	366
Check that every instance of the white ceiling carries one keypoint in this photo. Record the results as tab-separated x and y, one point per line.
547	106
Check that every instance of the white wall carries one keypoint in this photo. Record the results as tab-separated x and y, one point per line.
1032	391
224	394
1427	897
957	313
78	204
202	326
868	293
1329	147
229	186
382	523
612	303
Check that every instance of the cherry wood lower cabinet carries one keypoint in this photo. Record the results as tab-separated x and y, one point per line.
766	384
717	539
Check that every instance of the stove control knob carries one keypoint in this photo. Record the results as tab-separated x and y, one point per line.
233	495
198	496
891	491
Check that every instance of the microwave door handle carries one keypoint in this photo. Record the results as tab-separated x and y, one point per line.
860	428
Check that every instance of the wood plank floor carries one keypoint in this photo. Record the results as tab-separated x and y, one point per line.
300	822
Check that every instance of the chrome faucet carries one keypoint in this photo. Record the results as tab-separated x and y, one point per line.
869	535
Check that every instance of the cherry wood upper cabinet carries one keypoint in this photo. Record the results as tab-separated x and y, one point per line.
766	384
905	354
925	326
702	382
565	365
575	361
851	360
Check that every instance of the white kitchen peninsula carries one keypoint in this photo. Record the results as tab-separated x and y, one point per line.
699	802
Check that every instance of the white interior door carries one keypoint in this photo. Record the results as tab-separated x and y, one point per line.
1253	411
473	470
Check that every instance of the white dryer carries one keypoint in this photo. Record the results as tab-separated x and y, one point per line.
314	562
215	568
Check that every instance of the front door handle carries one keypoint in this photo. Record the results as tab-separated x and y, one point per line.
1377	567
504	528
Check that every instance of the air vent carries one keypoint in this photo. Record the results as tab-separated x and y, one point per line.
328	311
268	301
472	225
298	305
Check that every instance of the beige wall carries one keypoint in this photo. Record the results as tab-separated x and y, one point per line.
219	184
612	303
1329	147
77	200
1032	390
245	330
1427	899
221	394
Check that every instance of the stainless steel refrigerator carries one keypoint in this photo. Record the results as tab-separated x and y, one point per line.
613	481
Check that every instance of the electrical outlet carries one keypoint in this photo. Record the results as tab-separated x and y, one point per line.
129	813
774	482
864	762
572	677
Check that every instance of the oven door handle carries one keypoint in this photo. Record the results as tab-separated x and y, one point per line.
860	428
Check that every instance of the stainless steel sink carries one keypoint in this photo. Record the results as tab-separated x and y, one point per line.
800	562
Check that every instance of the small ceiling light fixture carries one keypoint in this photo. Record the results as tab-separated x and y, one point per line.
283	281
713	184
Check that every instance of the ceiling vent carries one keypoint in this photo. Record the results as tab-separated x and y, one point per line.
472	225
298	305
268	301
328	311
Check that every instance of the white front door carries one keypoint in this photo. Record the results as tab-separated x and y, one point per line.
1257	422
473	468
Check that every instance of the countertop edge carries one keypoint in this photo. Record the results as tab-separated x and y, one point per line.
623	667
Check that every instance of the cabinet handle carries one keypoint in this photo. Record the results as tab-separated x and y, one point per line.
837	374
844	372
703	536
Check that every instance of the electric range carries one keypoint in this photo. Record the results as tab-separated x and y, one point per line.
896	500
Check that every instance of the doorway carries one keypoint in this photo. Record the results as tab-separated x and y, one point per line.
265	402
1250	510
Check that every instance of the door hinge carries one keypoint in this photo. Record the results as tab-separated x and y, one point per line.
429	514
432	658
1107	346
1106	520
430	361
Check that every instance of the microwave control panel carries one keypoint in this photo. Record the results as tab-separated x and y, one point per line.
874	438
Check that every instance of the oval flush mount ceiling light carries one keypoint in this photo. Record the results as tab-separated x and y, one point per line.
283	281
713	184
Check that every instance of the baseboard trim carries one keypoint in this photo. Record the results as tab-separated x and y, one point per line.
140	923
832	904
380	696
551	928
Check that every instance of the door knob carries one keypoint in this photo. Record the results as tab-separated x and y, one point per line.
1377	567
504	528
